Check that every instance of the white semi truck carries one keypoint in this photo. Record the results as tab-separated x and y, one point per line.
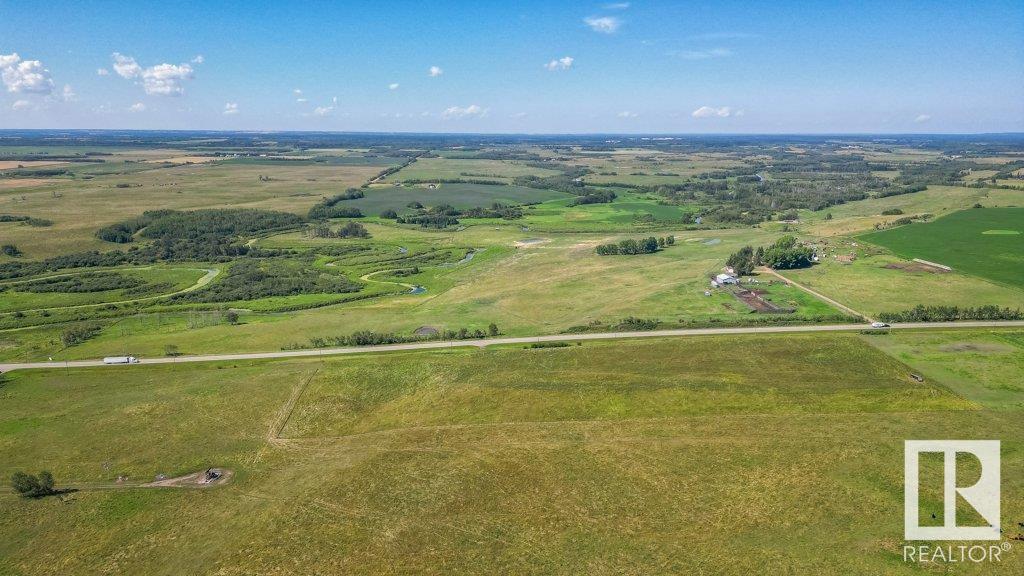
120	360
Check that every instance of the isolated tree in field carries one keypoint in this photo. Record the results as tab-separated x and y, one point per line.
492	330
171	350
30	486
10	250
231	316
389	214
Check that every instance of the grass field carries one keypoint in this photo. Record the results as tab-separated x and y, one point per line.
545	287
460	196
861	216
735	455
986	242
466	169
878	282
157	281
79	205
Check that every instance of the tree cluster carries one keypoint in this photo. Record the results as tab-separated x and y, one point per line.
786	254
630	246
922	313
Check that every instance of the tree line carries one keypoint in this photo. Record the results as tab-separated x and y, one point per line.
370	338
631	246
938	313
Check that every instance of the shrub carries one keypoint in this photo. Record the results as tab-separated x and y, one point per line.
30	486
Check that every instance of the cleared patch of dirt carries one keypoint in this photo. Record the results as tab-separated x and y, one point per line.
911	267
200	479
983	347
8	183
754	299
8	164
426	331
528	242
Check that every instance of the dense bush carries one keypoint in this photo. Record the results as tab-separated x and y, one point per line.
922	313
596	197
429	220
353	230
785	254
743	262
31	486
249	279
74	335
26	220
328	207
369	338
87	282
630	246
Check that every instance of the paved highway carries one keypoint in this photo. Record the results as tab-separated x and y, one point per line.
431	345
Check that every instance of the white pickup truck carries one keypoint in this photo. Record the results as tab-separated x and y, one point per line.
120	360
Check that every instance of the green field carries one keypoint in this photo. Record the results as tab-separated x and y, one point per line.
155	281
465	169
985	242
643	457
461	196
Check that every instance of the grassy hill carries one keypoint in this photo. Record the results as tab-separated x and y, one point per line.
735	455
987	242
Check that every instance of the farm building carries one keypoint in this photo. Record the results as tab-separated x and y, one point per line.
723	279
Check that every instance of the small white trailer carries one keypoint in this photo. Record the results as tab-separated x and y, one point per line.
120	360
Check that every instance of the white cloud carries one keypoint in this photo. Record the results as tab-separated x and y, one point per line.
199	59
334	100
603	24
21	105
627	114
301	100
126	66
711	112
230	108
518	115
162	79
166	79
24	76
458	112
297	92
393	86
67	94
435	71
704	54
921	118
563	63
724	36
137	107
323	110
617	6
102	72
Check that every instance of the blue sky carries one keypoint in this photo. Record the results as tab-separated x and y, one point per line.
538	67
